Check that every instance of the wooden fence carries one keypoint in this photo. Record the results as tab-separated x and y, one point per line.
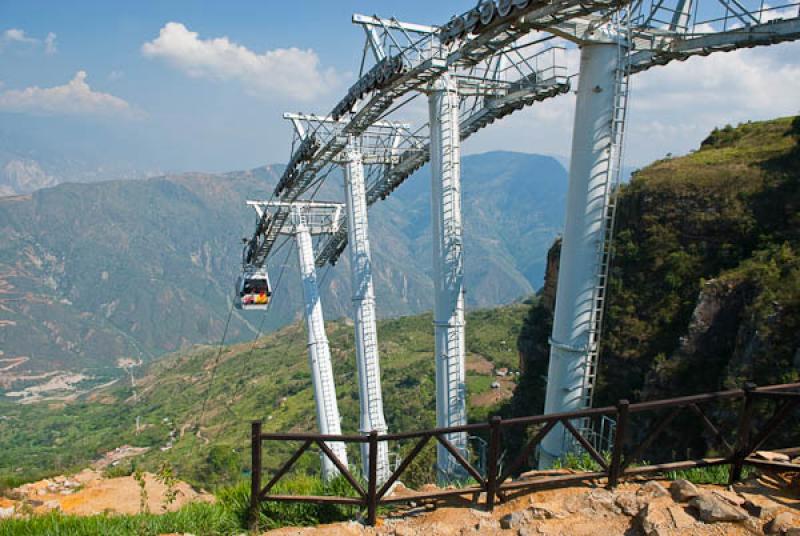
497	485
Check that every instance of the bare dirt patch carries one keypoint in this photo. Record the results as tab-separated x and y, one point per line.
88	492
478	363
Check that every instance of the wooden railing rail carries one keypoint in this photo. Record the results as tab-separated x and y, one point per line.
750	436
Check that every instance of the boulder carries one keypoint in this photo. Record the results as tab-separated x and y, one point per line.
512	521
600	500
680	519
730	496
653	521
6	512
783	523
711	509
629	503
761	507
654	489
682	490
542	511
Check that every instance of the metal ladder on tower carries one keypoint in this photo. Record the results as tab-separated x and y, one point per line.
599	292
448	207
452	230
370	339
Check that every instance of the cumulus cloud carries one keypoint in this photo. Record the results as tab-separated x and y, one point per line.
288	72
73	98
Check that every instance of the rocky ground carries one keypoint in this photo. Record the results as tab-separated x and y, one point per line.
652	508
89	492
767	505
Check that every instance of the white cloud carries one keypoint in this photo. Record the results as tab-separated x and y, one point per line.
17	35
288	72
116	74
50	43
73	98
672	108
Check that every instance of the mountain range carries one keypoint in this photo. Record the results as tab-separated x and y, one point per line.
91	273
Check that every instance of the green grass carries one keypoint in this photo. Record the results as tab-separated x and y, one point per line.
478	383
199	519
581	462
236	500
715	474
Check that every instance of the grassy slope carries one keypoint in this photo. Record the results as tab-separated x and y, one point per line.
269	380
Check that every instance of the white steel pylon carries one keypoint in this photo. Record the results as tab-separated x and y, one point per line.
448	269
378	146
366	333
585	248
305	219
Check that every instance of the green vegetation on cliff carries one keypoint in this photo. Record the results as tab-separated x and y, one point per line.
705	282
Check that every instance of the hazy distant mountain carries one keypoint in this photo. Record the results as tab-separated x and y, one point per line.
93	272
30	160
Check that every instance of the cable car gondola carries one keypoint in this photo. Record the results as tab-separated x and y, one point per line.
253	290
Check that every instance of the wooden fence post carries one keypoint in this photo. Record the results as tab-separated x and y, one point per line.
372	485
614	470
255	472
491	469
743	437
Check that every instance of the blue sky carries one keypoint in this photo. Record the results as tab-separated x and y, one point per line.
175	105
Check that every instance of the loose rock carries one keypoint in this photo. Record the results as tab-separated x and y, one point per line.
512	520
783	523
682	490
629	503
601	499
540	512
653	489
713	510
653	522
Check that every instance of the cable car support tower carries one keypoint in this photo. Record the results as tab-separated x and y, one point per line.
307	219
376	147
